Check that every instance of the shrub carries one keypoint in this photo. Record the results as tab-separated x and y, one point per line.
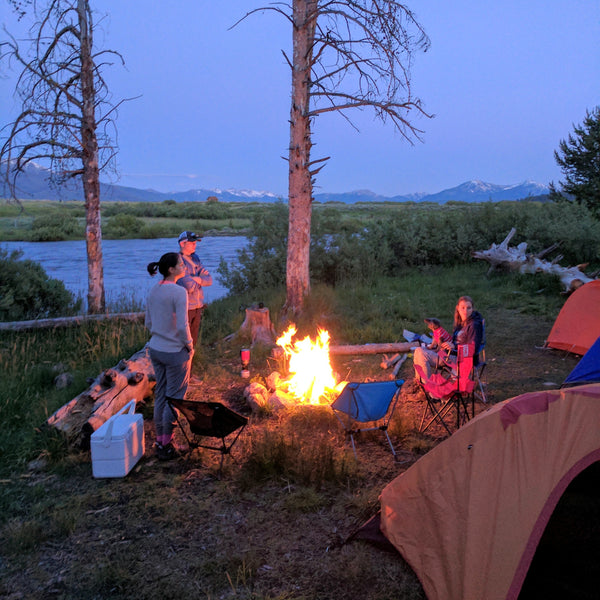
262	263
53	228
26	291
123	226
411	236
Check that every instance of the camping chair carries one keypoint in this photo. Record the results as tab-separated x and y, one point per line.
479	369
209	419
453	391
372	402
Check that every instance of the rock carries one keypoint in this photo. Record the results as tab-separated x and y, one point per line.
62	381
256	395
38	464
274	401
273	381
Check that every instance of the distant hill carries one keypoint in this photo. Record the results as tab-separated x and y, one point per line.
479	191
33	184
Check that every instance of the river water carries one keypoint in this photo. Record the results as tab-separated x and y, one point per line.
125	261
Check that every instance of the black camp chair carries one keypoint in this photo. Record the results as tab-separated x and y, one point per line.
209	419
371	402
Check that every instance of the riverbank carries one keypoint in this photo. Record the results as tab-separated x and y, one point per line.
126	279
45	220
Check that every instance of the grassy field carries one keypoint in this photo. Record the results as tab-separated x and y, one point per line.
274	525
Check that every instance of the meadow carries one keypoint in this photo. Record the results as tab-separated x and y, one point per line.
275	523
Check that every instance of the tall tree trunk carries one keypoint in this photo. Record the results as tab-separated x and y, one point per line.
300	184
91	173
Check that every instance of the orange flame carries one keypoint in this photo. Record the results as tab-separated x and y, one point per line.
311	378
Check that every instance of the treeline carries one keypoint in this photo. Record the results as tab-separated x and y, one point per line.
393	241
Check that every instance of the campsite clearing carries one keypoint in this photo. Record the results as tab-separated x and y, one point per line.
273	526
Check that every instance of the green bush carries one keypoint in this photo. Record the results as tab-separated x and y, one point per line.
262	263
53	228
123	226
26	291
411	236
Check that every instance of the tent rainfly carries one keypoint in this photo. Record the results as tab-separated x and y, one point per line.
469	515
577	326
587	369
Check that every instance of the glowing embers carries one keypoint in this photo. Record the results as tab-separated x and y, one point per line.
311	379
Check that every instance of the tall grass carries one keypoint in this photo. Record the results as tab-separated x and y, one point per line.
29	363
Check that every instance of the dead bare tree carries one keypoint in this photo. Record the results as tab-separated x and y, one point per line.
66	116
347	54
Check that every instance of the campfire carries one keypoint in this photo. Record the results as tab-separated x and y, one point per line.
309	378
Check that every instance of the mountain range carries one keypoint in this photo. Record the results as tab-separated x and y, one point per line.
33	184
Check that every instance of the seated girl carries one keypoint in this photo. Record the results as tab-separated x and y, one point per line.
468	327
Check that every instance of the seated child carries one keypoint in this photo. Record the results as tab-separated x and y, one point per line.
439	334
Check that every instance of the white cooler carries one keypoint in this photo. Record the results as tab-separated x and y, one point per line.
118	444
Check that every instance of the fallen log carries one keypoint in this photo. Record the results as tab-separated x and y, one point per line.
517	259
373	348
277	352
388	362
67	321
131	379
397	366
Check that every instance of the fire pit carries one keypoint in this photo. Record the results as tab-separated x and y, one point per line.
310	380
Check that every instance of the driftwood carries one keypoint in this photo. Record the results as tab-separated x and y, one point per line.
516	259
67	321
395	361
278	352
131	379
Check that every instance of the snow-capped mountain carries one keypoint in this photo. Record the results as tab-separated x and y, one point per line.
33	184
479	191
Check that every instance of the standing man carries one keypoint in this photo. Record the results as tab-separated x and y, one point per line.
194	279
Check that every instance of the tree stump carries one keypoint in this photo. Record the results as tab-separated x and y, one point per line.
257	325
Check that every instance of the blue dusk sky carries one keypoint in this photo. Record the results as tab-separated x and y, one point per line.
506	81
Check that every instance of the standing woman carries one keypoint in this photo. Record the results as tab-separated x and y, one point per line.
171	347
195	277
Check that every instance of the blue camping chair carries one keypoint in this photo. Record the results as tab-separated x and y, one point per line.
371	402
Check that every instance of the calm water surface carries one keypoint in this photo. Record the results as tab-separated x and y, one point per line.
125	261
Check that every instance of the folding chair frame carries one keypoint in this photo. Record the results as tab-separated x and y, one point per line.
478	374
457	399
181	406
480	368
349	422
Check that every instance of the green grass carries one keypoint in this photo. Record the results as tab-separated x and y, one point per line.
29	363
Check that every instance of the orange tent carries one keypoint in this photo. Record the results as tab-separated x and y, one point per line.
577	326
469	515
